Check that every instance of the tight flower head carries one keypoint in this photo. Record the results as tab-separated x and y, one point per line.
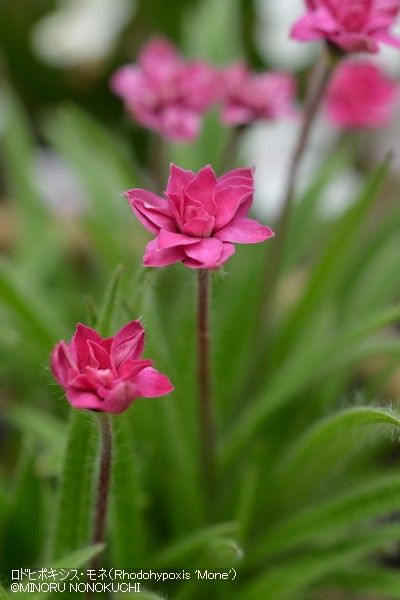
251	97
361	95
353	25
165	93
200	219
106	374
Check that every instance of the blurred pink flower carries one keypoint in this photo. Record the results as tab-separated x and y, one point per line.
165	93
201	218
250	97
360	95
353	25
106	374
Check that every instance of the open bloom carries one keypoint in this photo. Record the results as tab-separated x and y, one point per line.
106	374
165	93
360	95
200	219
250	97
353	25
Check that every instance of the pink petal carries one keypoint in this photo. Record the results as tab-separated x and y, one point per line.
161	258
237	114
99	357
178	180
79	345
201	188
241	176
207	252
126	81
228	199
62	363
120	397
180	123
167	239
151	210
199	227
83	399
130	368
128	344
152	384
244	231
160	59
388	39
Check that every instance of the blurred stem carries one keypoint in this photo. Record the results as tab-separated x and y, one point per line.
230	153
157	162
207	433
318	84
103	484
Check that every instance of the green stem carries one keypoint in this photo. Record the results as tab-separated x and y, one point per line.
207	433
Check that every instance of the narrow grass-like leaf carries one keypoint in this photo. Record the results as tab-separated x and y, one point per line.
126	502
289	580
110	304
75	496
329	521
183	550
366	579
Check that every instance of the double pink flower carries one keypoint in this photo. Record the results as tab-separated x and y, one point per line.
353	25
361	95
249	97
200	219
106	374
166	93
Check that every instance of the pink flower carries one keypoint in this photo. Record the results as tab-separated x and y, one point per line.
360	95
200	219
250	97
165	93
353	25
106	374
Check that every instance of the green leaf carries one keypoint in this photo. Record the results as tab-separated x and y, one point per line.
35	315
73	523
105	323
299	371
332	263
183	550
126	501
3	594
367	579
288	580
324	448
331	520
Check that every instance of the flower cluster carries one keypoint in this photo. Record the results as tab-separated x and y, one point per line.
169	95
352	25
106	374
360	95
200	219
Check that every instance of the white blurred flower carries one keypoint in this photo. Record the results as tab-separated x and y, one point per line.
79	32
58	184
274	22
269	147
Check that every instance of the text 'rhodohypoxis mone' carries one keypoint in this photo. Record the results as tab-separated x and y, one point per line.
166	93
250	96
200	219
106	374
353	25
361	95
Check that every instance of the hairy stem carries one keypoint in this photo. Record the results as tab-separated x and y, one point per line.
103	484
207	434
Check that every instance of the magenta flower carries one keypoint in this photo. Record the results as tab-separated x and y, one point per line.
165	93
353	25
360	95
250	97
200	219
106	374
